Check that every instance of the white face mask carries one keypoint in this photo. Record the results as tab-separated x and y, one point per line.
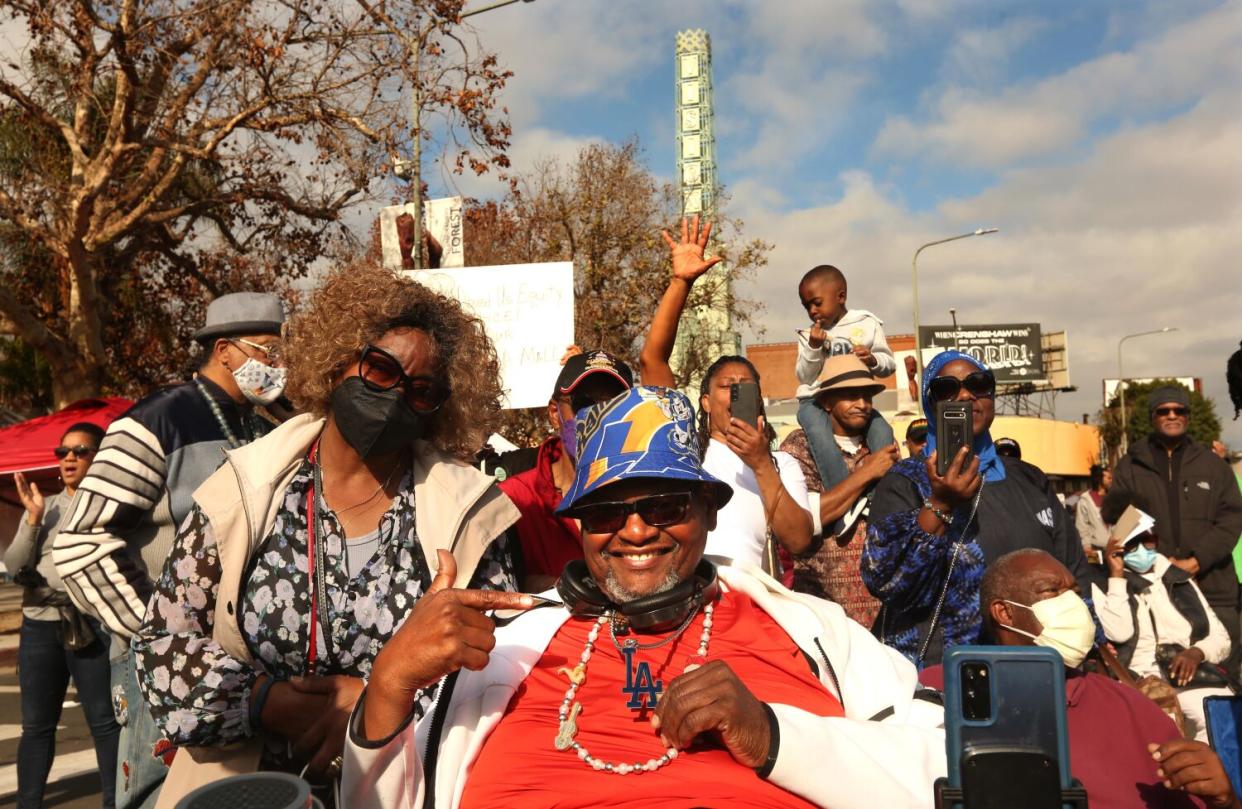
260	384
1068	626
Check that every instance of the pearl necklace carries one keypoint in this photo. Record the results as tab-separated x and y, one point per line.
220	420
569	710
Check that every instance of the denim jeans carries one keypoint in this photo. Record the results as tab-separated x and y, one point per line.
44	669
145	755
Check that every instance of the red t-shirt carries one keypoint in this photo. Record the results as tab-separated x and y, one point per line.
520	767
548	542
1110	726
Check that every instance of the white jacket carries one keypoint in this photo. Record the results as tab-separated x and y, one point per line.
1113	609
857	760
857	327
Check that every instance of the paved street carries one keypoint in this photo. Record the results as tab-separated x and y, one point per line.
74	780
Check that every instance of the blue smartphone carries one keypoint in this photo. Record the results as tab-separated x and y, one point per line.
1005	725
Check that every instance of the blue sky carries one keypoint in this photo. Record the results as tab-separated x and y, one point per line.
1102	138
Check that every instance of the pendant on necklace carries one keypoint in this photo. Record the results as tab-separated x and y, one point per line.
568	728
643	689
576	675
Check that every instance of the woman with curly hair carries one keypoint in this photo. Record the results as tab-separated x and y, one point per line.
769	488
308	548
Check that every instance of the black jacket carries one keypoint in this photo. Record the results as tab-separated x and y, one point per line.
1195	500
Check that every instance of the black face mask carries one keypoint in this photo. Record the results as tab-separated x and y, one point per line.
375	422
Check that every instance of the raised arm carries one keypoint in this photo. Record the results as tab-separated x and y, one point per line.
688	265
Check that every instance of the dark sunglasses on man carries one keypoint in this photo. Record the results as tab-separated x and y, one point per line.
80	451
980	384
1165	412
382	371
658	511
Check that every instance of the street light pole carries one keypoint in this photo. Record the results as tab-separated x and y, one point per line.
413	170
1121	380
914	264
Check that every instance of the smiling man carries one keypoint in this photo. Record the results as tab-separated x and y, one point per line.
1194	498
707	687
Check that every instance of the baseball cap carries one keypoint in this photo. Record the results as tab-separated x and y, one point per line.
580	366
646	432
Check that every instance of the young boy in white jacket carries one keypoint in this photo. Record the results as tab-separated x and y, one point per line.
836	329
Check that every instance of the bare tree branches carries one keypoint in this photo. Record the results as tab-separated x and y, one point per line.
169	130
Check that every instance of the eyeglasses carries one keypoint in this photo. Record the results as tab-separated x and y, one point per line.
272	351
80	451
980	384
1165	412
658	510
382	371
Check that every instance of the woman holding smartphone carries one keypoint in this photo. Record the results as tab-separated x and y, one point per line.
931	536
769	488
57	642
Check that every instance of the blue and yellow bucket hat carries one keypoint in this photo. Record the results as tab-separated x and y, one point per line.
646	432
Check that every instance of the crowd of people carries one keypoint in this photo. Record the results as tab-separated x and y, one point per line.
293	562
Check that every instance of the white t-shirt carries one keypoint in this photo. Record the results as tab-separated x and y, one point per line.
741	526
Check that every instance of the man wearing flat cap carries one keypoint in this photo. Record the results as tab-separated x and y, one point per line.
1193	496
124	518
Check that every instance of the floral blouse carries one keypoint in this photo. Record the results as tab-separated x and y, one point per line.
199	695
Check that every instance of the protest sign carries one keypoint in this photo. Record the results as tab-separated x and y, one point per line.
442	220
528	311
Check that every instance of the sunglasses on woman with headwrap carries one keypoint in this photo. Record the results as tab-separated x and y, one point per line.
980	384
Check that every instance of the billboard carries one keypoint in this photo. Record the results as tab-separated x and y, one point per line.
1014	351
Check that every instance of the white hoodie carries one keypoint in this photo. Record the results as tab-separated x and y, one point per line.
857	327
887	750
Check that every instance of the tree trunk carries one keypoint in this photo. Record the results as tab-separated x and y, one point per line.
75	377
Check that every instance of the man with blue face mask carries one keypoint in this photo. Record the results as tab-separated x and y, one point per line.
549	541
1156	616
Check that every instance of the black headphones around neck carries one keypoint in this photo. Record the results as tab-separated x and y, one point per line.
583	597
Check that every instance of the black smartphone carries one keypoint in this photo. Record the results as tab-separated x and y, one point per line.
744	402
954	430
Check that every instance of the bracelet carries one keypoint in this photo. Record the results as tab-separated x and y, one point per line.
774	742
943	516
255	713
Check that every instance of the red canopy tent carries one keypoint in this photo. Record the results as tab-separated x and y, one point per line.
27	447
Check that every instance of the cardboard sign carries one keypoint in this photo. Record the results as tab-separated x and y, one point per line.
528	312
441	219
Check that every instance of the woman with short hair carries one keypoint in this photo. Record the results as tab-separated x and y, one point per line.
57	641
308	548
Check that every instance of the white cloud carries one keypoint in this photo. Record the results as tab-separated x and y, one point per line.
978	55
1138	232
1177	66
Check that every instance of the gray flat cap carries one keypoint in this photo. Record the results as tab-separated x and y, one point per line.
242	313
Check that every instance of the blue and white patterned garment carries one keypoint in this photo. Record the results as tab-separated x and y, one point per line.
199	695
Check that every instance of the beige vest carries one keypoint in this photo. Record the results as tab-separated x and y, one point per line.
458	508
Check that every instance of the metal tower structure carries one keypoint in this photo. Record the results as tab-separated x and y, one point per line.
710	320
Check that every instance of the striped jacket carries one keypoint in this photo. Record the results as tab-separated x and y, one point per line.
122	522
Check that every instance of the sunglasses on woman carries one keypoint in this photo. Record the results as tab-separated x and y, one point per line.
658	510
80	451
382	371
980	384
